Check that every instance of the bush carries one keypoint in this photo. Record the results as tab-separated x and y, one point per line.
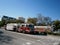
51	33
2	23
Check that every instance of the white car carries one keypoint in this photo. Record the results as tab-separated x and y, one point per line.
57	32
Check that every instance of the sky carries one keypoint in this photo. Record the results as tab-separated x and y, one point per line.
30	8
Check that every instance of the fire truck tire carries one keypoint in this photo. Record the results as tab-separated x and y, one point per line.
45	33
24	32
20	31
5	29
36	32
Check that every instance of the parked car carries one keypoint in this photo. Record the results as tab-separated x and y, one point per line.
57	32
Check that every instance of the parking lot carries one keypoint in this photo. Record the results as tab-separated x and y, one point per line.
15	38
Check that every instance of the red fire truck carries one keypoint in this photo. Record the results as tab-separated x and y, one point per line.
40	30
30	28
26	28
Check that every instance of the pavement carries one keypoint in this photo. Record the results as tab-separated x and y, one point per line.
15	38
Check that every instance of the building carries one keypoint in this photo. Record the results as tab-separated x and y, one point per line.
21	18
8	18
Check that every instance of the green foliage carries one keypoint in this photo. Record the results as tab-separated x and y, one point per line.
19	21
32	20
2	23
57	24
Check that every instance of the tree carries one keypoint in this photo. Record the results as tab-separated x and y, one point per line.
43	20
19	21
47	20
32	20
56	24
2	23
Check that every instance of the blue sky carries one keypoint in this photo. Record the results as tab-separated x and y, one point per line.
30	8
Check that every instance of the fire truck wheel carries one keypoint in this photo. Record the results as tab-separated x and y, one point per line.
45	33
20	31
5	29
24	32
39	32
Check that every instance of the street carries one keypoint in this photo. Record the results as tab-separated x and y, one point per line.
15	38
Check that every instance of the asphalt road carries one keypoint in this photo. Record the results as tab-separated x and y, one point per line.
14	38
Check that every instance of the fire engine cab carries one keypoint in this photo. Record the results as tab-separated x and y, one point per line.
26	28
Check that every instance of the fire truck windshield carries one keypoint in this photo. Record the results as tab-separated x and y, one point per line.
30	26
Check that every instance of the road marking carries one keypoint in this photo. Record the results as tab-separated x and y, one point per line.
28	43
38	40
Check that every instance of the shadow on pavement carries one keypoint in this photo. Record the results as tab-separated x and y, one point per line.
4	38
39	34
1	32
